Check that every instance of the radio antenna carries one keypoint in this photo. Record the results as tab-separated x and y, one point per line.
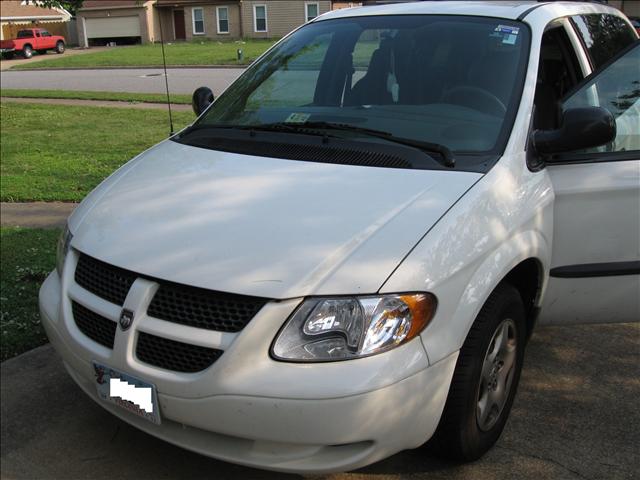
166	79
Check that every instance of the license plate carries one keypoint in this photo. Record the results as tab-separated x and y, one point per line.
130	393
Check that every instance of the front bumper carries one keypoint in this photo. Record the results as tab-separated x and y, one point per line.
251	410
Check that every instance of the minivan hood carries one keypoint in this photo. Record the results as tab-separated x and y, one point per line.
261	226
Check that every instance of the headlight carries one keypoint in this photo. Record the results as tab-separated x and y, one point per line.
63	248
343	328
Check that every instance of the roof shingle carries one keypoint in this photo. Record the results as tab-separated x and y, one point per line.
110	3
14	8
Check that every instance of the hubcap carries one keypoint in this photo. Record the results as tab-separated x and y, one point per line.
497	375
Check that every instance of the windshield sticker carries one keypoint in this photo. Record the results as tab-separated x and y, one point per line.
508	34
507	29
297	118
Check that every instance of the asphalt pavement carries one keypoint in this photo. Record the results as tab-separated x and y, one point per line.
139	80
576	416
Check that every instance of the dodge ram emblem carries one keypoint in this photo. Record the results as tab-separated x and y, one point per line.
126	319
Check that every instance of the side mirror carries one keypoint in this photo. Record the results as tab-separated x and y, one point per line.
202	98
580	128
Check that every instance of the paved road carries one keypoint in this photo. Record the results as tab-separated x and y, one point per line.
181	80
576	416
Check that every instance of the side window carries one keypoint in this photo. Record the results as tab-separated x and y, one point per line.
604	36
616	88
295	83
368	43
558	73
45	33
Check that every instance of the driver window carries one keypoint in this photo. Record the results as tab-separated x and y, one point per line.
617	88
374	79
558	72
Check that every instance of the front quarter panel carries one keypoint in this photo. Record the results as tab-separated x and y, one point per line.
504	219
93	198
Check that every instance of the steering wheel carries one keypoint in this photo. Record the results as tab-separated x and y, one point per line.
476	98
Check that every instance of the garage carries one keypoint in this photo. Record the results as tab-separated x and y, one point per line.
121	30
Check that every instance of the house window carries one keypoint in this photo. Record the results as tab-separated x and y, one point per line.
260	18
223	19
198	21
311	11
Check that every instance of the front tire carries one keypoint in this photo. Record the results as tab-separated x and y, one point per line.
485	379
27	51
60	47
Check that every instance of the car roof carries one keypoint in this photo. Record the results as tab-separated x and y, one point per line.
513	10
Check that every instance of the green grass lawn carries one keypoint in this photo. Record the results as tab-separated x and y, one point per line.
181	53
26	258
86	95
55	152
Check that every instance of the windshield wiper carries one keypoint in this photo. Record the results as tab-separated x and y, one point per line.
428	147
264	127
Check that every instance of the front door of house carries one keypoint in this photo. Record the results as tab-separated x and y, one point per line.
178	24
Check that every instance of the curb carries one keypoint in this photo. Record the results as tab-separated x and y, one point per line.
95	103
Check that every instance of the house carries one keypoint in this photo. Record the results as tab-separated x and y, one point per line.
236	19
341	5
133	21
631	8
120	21
16	15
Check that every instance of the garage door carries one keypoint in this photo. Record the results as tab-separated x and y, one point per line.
113	27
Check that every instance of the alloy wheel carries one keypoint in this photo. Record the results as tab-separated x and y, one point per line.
497	374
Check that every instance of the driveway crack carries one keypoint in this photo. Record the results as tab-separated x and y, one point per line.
546	459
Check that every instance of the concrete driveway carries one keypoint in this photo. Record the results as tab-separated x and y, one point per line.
576	416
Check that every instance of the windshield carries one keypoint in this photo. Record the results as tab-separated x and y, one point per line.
448	80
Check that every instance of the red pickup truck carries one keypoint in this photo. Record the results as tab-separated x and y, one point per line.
31	39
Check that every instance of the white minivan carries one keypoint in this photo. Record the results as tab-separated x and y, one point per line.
345	254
